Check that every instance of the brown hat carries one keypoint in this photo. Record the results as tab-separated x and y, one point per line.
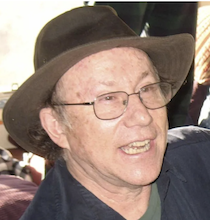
74	35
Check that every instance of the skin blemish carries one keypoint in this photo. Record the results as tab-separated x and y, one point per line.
78	95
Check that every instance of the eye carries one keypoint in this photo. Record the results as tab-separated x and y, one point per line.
149	88
107	98
115	98
146	89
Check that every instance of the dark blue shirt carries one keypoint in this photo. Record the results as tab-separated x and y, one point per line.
183	185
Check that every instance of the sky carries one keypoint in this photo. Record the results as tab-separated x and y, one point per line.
20	23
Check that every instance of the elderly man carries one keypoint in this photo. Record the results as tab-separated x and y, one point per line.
96	105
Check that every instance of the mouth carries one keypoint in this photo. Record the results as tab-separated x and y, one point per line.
136	147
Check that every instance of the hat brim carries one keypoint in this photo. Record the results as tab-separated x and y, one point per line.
172	56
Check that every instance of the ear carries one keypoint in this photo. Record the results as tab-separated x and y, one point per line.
53	128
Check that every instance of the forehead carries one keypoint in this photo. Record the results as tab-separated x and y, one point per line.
107	67
113	57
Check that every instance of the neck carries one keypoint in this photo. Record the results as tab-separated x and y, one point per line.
130	201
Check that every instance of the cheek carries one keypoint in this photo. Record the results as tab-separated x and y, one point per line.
90	143
166	120
163	126
161	123
161	118
86	123
88	132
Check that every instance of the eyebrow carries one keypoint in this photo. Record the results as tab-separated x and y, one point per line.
143	75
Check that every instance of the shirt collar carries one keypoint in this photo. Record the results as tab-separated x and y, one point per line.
163	180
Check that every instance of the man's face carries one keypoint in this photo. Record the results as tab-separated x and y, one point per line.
100	149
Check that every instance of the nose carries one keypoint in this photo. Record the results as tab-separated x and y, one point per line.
136	113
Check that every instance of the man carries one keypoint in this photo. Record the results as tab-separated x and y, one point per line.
99	92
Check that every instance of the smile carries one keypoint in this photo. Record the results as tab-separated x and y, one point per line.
137	147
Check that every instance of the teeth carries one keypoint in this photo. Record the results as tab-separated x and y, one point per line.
138	143
137	147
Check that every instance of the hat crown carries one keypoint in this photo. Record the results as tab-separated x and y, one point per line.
75	28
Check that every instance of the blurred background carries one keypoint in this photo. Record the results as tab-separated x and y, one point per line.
20	22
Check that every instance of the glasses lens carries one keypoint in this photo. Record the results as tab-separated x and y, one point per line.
156	95
110	105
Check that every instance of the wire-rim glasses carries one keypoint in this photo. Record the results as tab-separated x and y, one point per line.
112	105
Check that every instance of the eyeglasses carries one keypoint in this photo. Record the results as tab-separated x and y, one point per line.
112	105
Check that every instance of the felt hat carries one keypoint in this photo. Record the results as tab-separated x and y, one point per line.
74	35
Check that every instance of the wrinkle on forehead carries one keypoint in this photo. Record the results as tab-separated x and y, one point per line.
107	82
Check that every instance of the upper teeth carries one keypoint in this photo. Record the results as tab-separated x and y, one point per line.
138	143
137	147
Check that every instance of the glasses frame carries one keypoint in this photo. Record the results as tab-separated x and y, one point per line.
126	105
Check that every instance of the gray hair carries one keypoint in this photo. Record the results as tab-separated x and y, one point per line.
38	136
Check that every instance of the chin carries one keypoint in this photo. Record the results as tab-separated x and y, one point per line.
143	178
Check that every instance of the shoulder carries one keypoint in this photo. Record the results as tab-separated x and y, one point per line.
188	135
189	144
186	165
